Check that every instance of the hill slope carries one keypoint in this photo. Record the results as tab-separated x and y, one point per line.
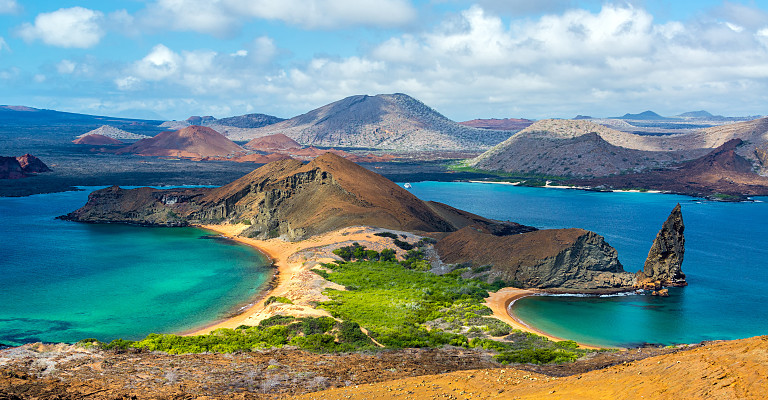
570	147
723	171
385	121
726	370
114	133
191	142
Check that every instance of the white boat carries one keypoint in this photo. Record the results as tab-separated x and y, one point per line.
407	186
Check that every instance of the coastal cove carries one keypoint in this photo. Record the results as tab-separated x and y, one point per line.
726	262
65	281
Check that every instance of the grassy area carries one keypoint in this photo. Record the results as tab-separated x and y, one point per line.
400	304
321	334
524	178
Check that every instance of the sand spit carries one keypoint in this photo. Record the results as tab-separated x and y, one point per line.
295	280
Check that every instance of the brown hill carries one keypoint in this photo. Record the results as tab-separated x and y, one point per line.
567	259
386	121
506	124
272	143
721	171
97	140
190	142
21	167
284	198
726	370
570	147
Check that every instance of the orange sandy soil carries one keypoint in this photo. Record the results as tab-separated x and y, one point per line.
295	281
294	262
727	370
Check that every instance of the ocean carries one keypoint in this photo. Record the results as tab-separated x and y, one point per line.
726	261
64	281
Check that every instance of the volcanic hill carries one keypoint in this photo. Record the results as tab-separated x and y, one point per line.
21	167
722	171
295	201
97	140
273	143
571	148
190	142
112	132
386	121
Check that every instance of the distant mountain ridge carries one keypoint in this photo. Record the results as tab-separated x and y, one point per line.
506	124
386	121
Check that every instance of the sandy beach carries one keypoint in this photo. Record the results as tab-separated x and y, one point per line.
294	279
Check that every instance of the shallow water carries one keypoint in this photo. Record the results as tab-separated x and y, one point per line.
726	261
66	281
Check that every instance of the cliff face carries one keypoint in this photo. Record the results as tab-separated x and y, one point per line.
565	259
665	258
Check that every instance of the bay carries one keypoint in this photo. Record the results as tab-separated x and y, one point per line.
64	281
726	261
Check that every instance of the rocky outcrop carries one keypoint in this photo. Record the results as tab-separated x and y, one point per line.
663	265
21	167
114	133
572	260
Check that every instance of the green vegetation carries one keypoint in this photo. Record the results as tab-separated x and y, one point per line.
277	299
406	307
400	305
725	197
323	334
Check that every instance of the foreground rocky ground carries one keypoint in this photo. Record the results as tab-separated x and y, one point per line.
40	371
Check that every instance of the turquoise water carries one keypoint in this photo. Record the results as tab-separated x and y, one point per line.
65	281
726	261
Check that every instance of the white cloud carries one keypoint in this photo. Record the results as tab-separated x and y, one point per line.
159	64
4	44
66	66
9	7
224	17
67	27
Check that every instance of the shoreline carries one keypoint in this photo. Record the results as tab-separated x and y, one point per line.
292	278
500	301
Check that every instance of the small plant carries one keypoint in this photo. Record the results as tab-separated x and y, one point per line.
277	299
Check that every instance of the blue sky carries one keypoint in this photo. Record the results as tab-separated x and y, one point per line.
482	59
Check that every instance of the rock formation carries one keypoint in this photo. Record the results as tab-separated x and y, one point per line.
572	260
32	164
21	167
663	265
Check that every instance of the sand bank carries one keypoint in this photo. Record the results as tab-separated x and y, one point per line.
294	279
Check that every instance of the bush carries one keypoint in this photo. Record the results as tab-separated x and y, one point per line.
277	299
386	234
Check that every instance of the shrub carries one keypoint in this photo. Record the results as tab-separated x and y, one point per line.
277	299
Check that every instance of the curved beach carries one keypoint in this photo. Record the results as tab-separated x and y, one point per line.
293	279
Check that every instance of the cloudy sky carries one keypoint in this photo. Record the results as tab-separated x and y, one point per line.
482	59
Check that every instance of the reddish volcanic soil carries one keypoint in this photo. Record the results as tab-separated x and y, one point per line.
191	142
97	140
720	171
272	143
